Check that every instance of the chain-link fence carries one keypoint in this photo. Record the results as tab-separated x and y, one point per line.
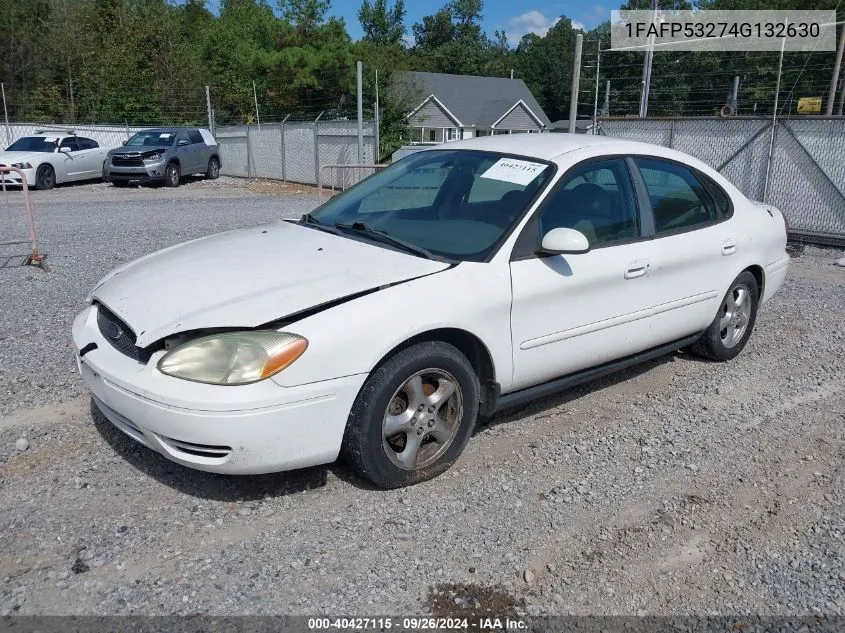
292	151
796	165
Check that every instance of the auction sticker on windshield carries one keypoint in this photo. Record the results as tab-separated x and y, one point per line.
519	172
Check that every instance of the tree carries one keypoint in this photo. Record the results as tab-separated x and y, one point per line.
306	15
380	24
434	30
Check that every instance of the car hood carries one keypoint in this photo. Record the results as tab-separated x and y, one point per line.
138	149
7	158
248	277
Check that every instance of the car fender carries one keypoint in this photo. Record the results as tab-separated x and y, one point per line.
474	297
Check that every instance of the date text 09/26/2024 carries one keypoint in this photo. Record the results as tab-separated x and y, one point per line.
422	623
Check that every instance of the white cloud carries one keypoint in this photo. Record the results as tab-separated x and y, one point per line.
533	22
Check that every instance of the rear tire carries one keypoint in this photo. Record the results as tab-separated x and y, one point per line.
45	177
213	171
171	175
727	335
413	417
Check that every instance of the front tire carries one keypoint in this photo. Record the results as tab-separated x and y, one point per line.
413	417
213	171
171	175
727	335
45	177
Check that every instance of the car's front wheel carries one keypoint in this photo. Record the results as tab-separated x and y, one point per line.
171	175
45	177
731	329
413	416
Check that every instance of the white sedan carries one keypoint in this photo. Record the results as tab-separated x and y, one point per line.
49	159
461	280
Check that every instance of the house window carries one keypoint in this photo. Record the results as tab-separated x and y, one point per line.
454	134
482	133
432	135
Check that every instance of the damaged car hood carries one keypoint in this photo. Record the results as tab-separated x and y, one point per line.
248	277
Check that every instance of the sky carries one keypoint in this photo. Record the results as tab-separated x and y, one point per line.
514	18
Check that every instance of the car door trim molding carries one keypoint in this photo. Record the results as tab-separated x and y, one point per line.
622	319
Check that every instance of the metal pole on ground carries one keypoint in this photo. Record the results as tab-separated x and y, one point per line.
208	110
255	97
359	70
774	125
6	116
834	81
576	81
596	101
377	153
649	59
606	109
735	95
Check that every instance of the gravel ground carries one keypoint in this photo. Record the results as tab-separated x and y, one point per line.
677	487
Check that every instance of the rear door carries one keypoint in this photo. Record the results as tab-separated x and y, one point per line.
93	156
695	244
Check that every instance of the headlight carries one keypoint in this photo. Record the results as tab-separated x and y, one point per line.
22	165
233	358
155	156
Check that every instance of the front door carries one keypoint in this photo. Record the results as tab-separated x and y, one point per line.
571	312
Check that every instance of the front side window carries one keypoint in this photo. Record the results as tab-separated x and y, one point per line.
456	204
195	137
679	200
70	142
597	200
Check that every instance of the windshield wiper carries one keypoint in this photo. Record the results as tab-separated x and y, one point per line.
309	220
360	227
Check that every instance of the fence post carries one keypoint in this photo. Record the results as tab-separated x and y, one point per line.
248	154
317	152
672	134
282	149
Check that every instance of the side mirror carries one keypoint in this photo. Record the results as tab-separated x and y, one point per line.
562	241
125	142
64	149
183	142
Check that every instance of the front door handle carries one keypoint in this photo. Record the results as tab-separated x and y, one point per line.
636	269
729	247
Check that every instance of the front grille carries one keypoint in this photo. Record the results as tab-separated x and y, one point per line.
120	336
127	161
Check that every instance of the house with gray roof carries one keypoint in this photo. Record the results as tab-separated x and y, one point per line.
451	107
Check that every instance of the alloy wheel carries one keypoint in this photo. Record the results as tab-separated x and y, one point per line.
422	419
735	315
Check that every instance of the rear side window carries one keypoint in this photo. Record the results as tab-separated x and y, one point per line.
679	200
722	200
87	143
195	137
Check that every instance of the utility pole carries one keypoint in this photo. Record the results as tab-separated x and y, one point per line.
208	110
378	147
359	68
774	124
255	96
576	80
735	95
606	109
834	82
649	58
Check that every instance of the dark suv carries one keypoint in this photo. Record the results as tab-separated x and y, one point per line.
163	155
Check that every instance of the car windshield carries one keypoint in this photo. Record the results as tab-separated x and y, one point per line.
152	138
456	204
33	144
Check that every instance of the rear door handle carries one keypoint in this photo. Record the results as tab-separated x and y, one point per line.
636	269
729	247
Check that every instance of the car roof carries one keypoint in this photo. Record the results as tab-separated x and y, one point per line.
550	145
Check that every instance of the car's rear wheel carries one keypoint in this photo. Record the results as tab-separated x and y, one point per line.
171	175
213	171
731	329
45	177
413	416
